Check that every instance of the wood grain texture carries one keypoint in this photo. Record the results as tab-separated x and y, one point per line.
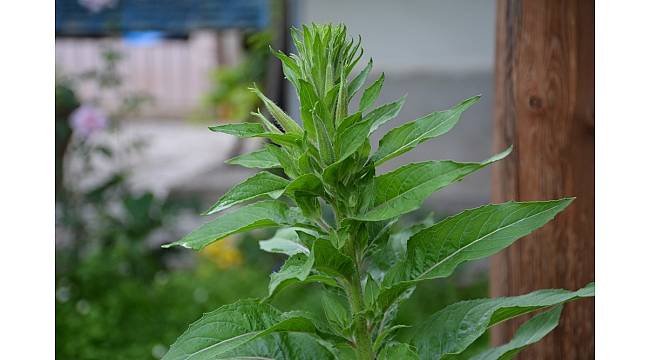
544	106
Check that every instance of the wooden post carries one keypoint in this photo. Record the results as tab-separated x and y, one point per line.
545	108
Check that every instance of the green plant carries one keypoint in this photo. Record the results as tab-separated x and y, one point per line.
364	270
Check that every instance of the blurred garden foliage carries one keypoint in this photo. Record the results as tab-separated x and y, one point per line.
229	97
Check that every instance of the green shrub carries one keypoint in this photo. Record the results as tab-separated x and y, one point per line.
365	268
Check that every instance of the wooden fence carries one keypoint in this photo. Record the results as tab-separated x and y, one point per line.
175	72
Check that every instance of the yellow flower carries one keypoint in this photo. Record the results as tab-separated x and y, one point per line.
223	253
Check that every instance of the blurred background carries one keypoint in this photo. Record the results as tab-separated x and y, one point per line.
138	83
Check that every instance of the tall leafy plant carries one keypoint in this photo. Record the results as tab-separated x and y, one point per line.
364	270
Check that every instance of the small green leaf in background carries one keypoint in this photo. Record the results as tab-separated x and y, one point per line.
261	184
529	333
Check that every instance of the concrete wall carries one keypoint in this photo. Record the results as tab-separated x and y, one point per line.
438	52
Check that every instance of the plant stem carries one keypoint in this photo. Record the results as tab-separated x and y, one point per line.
361	334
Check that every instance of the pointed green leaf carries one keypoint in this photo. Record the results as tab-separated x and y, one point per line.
290	68
529	333
404	189
349	121
258	185
473	234
308	100
371	93
359	80
296	268
270	213
262	159
404	138
384	113
248	329
248	130
370	292
325	144
287	123
452	329
397	350
285	241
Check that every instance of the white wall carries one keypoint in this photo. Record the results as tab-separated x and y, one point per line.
411	35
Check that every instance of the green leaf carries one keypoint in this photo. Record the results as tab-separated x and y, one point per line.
308	100
325	144
259	185
404	189
336	313
384	113
262	159
379	341
473	234
404	138
270	213
348	141
330	260
353	133
287	161
296	268
248	130
529	333
248	329
290	68
359	80
305	184
287	123
349	121
370	293
371	93
285	241
452	329
397	350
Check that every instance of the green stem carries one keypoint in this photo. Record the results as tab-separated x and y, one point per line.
361	334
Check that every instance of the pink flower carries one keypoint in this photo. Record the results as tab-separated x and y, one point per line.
87	120
96	6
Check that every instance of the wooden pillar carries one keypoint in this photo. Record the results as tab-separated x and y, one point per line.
545	108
